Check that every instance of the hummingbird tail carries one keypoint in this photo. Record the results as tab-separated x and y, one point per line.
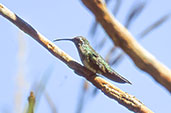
114	76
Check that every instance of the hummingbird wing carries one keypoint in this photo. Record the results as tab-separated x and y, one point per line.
102	67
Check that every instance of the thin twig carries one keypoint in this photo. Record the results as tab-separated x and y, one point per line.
109	54
82	94
40	87
100	45
154	25
50	102
137	8
117	59
116	7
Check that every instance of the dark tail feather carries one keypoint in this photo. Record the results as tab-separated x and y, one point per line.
114	76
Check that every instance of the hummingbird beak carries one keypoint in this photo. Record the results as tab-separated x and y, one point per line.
62	40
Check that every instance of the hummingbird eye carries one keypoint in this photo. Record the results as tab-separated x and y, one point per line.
81	41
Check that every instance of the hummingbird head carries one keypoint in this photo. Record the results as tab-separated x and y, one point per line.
78	41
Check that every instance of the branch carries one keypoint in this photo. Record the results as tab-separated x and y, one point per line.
107	88
122	38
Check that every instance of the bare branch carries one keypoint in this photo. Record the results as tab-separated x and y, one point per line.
122	38
107	88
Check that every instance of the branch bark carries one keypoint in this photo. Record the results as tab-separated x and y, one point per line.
122	38
108	89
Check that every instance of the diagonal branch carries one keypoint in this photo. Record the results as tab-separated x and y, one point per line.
122	38
107	88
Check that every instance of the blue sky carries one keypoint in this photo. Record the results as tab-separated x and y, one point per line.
22	68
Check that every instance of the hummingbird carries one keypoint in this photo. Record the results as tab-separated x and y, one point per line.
93	61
